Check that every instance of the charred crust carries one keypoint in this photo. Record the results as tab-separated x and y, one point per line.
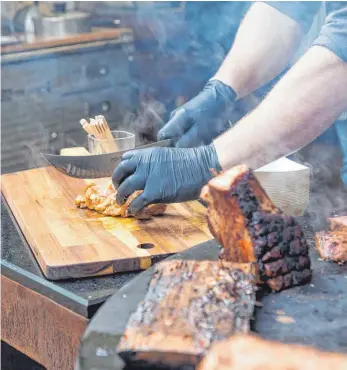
279	247
189	305
275	240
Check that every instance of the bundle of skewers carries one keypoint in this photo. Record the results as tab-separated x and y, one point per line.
99	130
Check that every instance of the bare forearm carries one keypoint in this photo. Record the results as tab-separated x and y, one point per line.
308	99
264	45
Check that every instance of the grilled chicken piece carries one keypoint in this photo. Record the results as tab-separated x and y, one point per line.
332	245
251	229
188	306
106	204
146	213
248	352
338	223
80	201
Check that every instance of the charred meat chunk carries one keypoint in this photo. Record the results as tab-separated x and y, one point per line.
251	229
338	223
332	245
188	306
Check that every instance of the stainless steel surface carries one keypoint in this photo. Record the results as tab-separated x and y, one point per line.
93	166
62	25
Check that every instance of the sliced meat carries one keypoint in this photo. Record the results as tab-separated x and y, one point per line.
188	306
332	245
338	223
250	228
80	201
125	208
248	352
147	212
106	204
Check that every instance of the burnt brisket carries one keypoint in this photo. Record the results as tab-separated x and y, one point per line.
189	305
251	229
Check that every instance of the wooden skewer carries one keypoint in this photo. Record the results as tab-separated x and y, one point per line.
101	125
104	129
99	136
86	126
99	128
89	129
93	129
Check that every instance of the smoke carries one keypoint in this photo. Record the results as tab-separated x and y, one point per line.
46	140
34	144
176	52
150	118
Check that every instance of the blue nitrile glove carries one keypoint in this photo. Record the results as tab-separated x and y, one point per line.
203	118
166	175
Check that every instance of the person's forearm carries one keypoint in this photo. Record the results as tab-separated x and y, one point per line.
263	47
308	99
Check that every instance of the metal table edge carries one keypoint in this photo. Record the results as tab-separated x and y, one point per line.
51	291
40	284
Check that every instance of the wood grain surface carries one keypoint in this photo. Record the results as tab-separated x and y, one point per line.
69	242
38	327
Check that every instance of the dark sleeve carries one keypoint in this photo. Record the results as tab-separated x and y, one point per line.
333	34
302	12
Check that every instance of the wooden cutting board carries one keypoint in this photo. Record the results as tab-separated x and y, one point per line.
69	242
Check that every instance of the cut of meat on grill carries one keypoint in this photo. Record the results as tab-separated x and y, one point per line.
105	203
248	352
332	245
338	223
188	306
250	228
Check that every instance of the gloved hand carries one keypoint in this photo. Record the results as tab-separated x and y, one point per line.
165	175
203	118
